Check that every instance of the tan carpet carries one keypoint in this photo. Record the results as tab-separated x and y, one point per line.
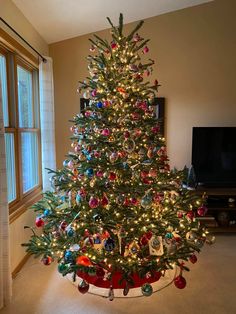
211	289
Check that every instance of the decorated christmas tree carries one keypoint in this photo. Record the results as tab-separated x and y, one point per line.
118	218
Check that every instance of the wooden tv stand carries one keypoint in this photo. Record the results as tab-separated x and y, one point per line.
221	204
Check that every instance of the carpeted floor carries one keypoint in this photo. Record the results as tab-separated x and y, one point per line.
211	289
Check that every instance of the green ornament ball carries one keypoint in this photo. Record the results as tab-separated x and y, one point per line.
61	268
147	289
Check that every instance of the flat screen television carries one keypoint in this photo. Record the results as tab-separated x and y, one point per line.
214	156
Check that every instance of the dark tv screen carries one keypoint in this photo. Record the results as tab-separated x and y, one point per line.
214	156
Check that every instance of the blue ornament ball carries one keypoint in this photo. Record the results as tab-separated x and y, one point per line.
89	172
46	212
68	256
99	104
109	244
70	232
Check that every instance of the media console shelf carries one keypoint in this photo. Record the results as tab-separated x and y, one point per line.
221	204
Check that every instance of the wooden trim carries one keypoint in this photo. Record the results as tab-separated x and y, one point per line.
15	46
20	265
25	206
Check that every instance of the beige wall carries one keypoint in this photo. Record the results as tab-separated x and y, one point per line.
16	19
195	51
13	16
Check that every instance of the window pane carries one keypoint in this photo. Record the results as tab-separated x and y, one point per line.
3	79
29	155
10	163
24	80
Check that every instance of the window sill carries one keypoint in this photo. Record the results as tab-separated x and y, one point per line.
22	208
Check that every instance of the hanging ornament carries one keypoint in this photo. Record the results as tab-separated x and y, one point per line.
171	246
70	164
144	174
146	201
106	103
83	287
180	281
106	132
141	153
46	212
39	222
126	290
147	289
126	134
137	38
193	258
93	202
68	256
104	201
70	232
90	172
202	210
83	260
134	247
82	157
190	215
133	67
155	129
62	268
111	295
99	173
150	153
109	244
92	48
113	157
99	105
86	94
47	260
72	197
129	145
135	116
113	45
63	225
156	246
112	176
191	236
153	173
75	247
145	49
94	93
98	244
78	199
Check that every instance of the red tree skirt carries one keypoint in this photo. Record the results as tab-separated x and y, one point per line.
114	282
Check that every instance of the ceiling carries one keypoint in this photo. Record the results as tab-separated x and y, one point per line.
56	20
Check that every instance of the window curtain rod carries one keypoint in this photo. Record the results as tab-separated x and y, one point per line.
26	42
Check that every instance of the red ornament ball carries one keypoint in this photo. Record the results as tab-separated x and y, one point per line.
39	222
47	260
83	287
83	260
190	215
112	176
126	134
180	282
193	258
202	211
